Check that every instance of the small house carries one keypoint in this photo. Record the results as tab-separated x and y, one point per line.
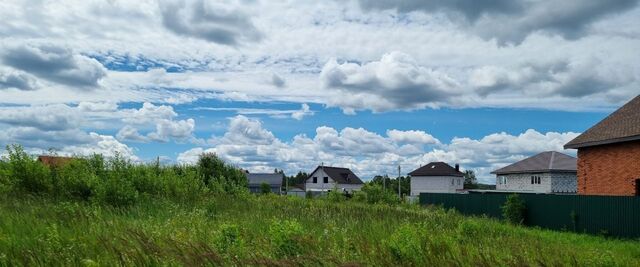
609	154
547	172
324	179
436	177
296	190
256	181
54	161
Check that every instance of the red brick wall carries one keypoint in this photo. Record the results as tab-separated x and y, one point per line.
609	169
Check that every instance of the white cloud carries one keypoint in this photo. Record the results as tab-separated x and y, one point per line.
249	145
106	145
178	130
56	64
396	81
48	117
150	113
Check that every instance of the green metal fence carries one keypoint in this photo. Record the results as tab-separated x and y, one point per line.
611	215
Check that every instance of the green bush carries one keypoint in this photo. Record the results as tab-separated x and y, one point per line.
228	238
287	238
28	174
406	245
265	188
375	193
513	209
75	180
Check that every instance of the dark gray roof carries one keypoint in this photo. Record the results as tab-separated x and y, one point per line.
621	126
269	178
549	161
340	175
436	169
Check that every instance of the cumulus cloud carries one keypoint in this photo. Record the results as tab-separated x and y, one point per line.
210	21
19	81
162	117
278	81
97	106
512	21
395	82
56	64
572	79
249	145
48	117
106	145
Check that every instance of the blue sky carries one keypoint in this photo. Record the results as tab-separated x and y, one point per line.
363	84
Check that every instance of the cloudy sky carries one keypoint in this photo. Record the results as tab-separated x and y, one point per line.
366	84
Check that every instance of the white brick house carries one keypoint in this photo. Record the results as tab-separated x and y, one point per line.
436	177
547	172
325	178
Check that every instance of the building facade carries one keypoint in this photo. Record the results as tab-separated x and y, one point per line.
547	172
274	180
609	154
436	177
325	178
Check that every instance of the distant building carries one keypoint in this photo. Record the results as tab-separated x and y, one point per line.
609	154
324	179
296	190
274	180
54	161
547	172
436	177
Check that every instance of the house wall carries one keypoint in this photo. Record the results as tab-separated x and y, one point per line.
435	184
549	183
321	186
609	169
253	188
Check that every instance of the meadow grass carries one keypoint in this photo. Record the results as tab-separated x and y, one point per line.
281	231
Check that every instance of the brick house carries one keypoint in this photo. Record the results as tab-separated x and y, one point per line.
547	172
609	154
436	177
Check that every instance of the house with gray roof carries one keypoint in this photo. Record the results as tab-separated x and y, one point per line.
436	177
547	172
274	180
324	179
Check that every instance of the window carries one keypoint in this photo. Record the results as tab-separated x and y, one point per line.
536	179
325	180
452	181
315	180
637	187
458	181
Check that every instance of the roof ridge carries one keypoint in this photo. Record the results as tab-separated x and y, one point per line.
553	155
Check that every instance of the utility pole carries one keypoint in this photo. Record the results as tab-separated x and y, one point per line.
399	192
384	182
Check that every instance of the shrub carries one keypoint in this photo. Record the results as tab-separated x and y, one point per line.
406	246
214	170
287	238
513	209
336	196
265	188
28	174
228	238
375	193
75	180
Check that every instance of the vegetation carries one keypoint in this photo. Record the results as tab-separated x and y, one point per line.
514	209
391	184
110	212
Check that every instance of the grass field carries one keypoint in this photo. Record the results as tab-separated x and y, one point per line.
280	231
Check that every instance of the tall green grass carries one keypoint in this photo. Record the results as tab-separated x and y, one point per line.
110	212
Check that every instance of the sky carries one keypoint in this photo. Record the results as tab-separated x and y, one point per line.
363	84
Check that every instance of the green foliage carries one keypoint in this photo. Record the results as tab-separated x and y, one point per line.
265	188
220	176
287	238
27	174
470	181
513	209
406	245
335	195
229	238
373	193
76	180
391	184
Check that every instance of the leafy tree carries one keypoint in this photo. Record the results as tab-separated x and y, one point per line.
470	181
265	188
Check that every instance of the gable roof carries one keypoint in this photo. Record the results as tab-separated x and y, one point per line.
269	178
549	161
622	125
436	169
54	161
340	175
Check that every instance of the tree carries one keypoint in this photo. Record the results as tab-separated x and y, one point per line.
265	188
470	181
513	209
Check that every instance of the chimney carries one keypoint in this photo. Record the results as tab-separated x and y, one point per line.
457	167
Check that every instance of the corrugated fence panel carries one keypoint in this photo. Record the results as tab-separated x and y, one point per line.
612	215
